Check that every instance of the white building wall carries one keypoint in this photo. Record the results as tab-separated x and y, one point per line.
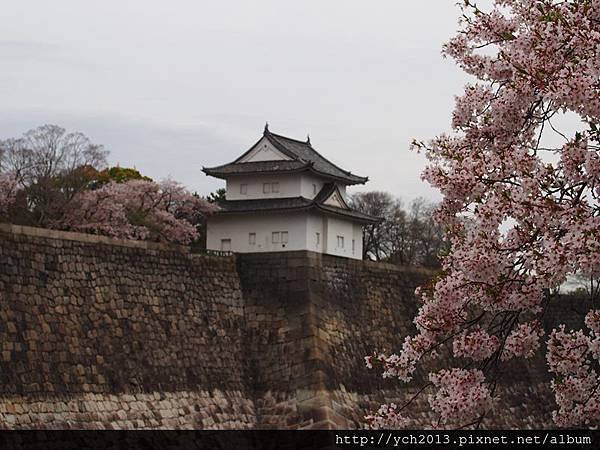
315	225
264	151
302	229
338	228
237	229
358	239
310	185
289	186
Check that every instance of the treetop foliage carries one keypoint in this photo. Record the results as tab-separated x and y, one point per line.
54	179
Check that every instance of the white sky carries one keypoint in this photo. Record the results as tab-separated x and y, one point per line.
170	86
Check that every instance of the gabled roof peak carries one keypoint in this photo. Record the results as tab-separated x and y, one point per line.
303	150
299	153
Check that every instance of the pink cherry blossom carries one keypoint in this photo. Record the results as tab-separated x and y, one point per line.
573	357
521	206
387	417
461	397
138	209
477	345
8	191
523	341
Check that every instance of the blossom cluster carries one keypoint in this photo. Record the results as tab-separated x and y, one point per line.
573	357
521	213
138	209
477	345
523	341
8	191
387	416
462	396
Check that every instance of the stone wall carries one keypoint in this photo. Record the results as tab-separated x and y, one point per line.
319	315
101	333
97	333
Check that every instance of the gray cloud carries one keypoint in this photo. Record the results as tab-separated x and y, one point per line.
172	86
39	52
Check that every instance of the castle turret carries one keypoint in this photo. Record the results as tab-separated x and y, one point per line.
283	195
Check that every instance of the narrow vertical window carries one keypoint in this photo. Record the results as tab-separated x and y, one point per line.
340	241
275	237
353	246
275	188
266	188
314	189
243	189
284	237
318	239
252	238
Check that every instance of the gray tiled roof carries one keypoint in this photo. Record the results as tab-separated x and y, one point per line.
257	167
293	203
305	152
304	157
267	204
349	213
327	190
289	204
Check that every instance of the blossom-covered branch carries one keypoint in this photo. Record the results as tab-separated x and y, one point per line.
518	222
138	209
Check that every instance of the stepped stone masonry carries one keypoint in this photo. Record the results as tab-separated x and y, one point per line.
102	333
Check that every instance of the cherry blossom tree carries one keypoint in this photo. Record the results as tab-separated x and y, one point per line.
138	209
8	192
521	210
54	179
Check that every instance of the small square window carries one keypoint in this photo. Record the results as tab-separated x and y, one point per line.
266	188
275	188
284	237
243	189
252	238
275	237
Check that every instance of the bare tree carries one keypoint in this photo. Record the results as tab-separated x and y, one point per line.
402	237
376	237
426	236
51	166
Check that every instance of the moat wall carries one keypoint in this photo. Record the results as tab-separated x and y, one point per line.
101	333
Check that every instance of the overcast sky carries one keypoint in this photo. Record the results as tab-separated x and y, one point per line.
171	86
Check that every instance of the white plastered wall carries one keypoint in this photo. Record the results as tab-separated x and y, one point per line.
289	186
237	228
314	226
308	183
329	228
358	239
300	226
264	151
338	227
